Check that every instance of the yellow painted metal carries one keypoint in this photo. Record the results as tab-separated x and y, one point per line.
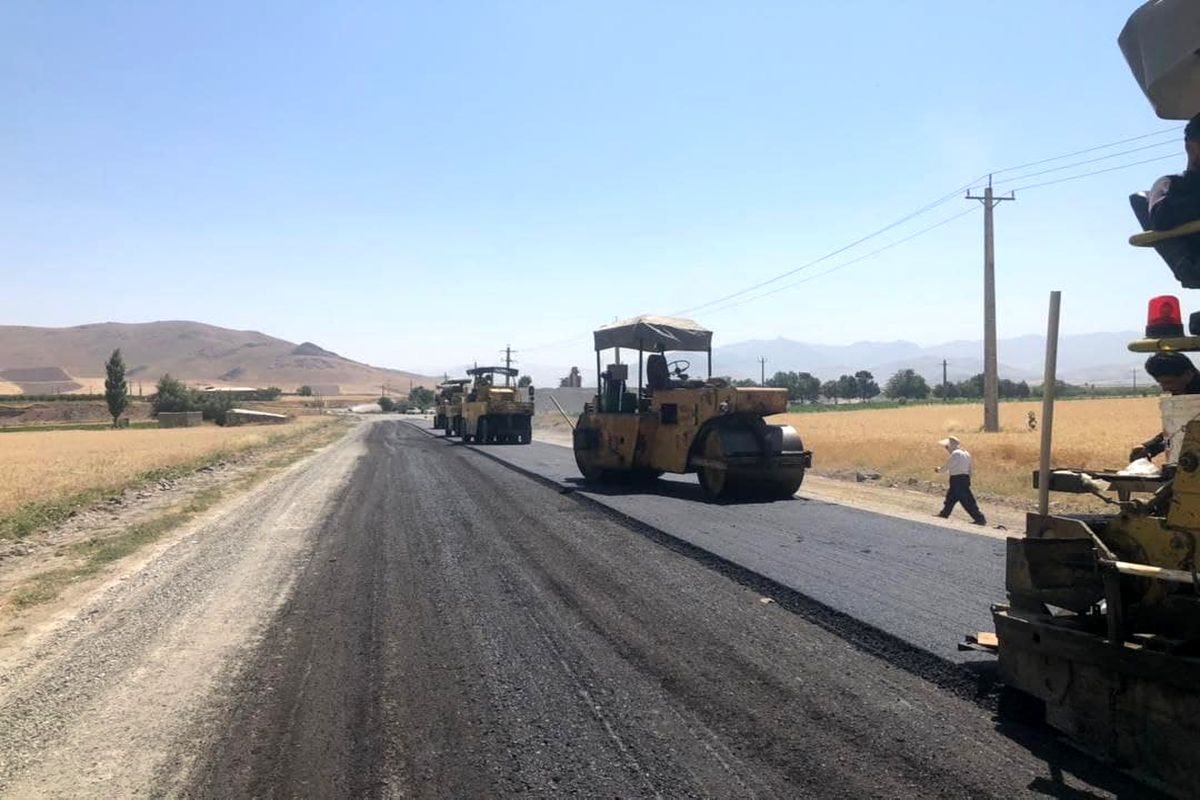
1166	345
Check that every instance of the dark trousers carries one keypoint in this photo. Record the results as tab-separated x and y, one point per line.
960	492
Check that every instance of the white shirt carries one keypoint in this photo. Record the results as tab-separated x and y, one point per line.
959	463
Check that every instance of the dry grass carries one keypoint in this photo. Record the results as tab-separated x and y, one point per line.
901	443
38	467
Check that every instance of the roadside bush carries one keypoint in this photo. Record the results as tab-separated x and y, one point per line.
215	406
387	404
171	395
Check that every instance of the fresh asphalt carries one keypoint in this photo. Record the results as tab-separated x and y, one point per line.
926	585
462	631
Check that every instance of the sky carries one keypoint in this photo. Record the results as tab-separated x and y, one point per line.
417	185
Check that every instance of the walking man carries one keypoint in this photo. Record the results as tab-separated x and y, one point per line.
958	467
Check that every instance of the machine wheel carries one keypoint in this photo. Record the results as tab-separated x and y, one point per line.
481	433
715	482
591	472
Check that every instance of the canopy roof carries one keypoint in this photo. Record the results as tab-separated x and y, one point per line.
1161	41
454	382
649	332
512	373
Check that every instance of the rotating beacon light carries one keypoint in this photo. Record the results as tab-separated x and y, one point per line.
1163	318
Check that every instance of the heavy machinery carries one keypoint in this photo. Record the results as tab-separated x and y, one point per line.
496	414
671	423
1102	622
447	415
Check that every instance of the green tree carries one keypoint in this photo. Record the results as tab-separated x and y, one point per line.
906	384
214	406
847	386
866	385
809	387
269	393
786	380
524	380
947	392
972	386
421	397
386	404
116	390
831	390
171	395
305	391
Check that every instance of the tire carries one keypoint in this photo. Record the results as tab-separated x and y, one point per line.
481	432
714	482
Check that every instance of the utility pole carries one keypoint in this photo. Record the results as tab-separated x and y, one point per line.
1135	380
762	371
991	381
945	384
508	361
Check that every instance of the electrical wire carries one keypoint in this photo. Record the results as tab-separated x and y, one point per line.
722	303
927	207
845	264
1093	149
1093	172
1073	164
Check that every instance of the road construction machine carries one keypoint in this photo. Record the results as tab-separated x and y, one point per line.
447	415
494	413
1102	620
670	422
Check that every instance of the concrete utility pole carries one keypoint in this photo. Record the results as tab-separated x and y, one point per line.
1135	380
762	371
991	381
945	384
508	361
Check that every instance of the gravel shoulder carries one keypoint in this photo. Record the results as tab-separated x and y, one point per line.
113	698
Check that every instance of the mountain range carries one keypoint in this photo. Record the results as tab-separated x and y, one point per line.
1101	358
46	360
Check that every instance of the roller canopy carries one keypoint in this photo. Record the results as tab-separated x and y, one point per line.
1160	42
649	332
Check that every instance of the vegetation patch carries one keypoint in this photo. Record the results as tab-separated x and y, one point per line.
91	556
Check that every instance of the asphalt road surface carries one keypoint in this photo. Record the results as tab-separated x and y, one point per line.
462	631
403	616
926	585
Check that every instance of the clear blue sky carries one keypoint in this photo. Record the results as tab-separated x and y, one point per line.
417	184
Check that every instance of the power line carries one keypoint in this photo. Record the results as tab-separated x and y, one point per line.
927	207
845	264
1073	164
1089	150
722	303
1093	172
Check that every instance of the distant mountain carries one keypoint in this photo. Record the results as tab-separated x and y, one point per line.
1101	358
1082	358
36	360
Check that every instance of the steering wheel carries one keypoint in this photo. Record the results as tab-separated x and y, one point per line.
679	366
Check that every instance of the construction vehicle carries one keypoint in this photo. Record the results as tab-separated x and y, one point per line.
447	415
1102	622
494	414
671	423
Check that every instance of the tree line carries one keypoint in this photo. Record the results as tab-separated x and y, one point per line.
907	384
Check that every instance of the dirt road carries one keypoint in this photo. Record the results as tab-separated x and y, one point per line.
425	622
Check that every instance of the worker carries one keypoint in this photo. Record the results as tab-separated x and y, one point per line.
1176	375
958	467
1175	199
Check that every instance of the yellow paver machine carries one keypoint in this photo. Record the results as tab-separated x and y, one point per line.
668	422
1102	622
447	415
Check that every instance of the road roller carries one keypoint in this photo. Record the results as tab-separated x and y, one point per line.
670	422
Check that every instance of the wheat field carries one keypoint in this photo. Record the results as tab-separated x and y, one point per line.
43	465
902	443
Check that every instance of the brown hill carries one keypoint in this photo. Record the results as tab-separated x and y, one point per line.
192	351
